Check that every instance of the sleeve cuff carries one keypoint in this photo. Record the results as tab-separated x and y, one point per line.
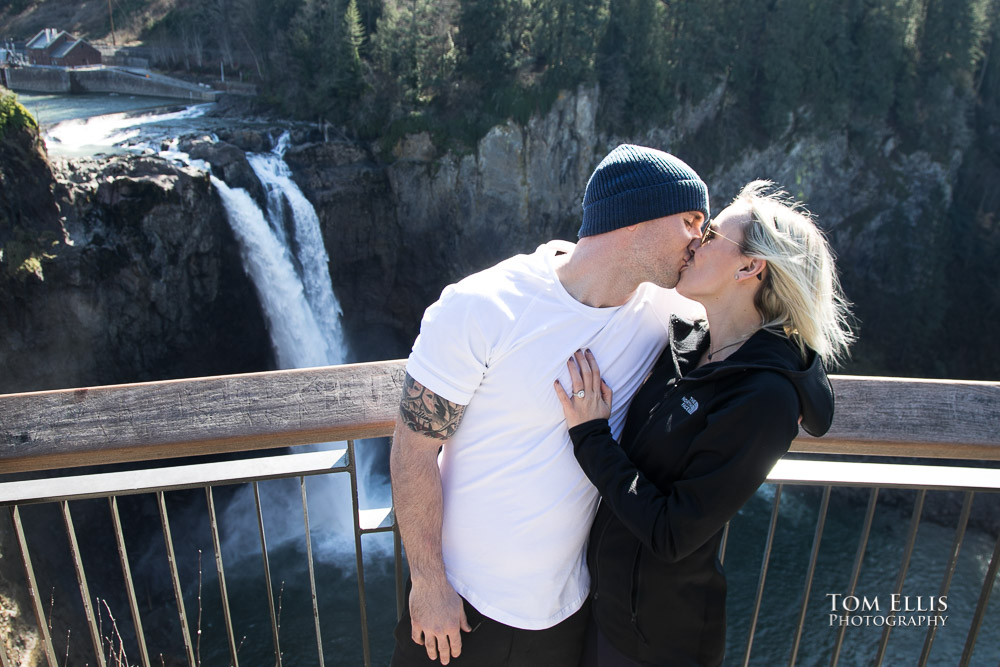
581	432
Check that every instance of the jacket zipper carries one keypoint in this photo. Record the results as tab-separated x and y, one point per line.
597	554
653	410
634	594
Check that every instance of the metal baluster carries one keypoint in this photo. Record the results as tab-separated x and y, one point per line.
359	558
813	557
858	558
984	598
29	571
763	573
175	578
397	553
312	571
222	577
267	576
81	580
911	538
949	571
722	544
129	584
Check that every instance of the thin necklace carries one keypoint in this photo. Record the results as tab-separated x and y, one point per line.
711	353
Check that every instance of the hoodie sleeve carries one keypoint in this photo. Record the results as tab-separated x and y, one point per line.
728	460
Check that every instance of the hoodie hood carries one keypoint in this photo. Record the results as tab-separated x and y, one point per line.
766	350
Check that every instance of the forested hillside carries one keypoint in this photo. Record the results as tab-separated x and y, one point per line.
903	82
895	103
459	66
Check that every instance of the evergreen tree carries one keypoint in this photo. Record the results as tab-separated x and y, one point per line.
352	39
632	64
951	42
414	47
876	79
564	38
494	37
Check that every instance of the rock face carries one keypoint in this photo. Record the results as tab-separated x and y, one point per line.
152	281
145	284
397	233
400	226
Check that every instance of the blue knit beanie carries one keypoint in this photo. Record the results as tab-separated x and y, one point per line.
634	184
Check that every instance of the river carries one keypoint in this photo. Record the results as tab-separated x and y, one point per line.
76	126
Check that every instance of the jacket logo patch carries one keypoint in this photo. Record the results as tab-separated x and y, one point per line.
689	404
632	487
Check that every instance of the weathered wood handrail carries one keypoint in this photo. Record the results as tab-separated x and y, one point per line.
211	415
156	420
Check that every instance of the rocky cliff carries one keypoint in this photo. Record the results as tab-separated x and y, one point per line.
144	281
126	271
402	224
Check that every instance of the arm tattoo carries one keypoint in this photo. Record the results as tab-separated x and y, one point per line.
426	413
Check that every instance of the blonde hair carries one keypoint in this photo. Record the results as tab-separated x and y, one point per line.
800	291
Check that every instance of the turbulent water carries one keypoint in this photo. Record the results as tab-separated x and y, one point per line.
284	255
305	241
109	124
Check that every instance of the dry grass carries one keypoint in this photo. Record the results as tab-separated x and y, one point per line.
87	19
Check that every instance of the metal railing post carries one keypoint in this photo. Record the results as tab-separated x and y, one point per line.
267	577
949	571
359	558
856	572
810	572
216	542
29	571
81	580
312	571
129	584
984	598
911	538
765	560
175	579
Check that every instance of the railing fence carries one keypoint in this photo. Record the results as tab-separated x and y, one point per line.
240	414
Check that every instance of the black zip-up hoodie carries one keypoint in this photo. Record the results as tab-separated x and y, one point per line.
696	445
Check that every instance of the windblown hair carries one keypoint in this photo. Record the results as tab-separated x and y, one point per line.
800	292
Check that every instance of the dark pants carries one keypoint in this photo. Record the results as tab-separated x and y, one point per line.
599	652
493	644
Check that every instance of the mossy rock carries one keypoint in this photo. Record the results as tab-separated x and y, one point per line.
13	116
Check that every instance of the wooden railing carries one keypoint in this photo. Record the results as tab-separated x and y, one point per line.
213	415
157	420
884	417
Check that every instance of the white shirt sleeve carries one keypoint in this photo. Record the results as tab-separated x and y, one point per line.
451	353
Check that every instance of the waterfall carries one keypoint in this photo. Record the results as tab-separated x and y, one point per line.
284	254
289	268
306	239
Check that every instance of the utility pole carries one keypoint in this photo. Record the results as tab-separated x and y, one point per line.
111	17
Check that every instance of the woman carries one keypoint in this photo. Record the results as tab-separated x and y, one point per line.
714	415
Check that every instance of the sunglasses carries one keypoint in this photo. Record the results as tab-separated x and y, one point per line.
711	233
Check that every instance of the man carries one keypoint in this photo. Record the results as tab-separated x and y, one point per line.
493	508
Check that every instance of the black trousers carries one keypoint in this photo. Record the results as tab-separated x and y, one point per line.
493	644
599	652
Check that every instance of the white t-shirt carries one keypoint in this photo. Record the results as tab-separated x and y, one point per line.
517	507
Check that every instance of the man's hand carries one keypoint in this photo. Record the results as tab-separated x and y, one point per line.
425	423
438	617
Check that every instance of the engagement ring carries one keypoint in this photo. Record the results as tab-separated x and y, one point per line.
580	394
